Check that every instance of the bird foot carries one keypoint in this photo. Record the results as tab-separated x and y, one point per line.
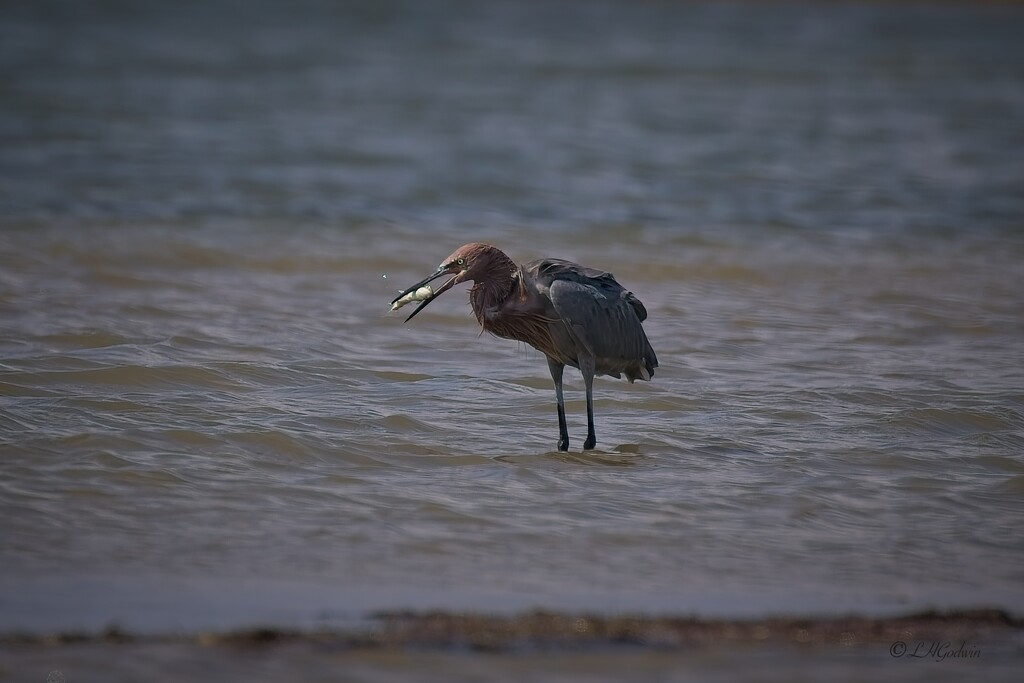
563	444
589	444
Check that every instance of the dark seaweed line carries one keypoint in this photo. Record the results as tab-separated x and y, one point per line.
541	630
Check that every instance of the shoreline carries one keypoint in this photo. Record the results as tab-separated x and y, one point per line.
567	647
562	631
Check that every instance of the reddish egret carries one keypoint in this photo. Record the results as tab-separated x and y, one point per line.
573	315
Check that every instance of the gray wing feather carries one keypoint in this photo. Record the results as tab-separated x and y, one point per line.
601	316
604	323
551	269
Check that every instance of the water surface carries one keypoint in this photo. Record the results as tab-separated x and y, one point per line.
208	417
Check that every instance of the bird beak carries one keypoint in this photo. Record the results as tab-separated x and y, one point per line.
440	272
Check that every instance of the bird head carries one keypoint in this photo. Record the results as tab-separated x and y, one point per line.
466	263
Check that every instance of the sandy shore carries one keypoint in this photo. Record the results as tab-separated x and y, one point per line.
439	646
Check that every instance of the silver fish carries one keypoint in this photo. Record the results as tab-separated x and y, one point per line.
424	293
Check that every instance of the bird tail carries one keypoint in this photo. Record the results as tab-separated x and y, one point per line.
650	362
645	368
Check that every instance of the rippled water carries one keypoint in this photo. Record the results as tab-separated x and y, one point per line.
207	415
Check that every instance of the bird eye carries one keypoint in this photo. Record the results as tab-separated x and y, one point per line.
461	261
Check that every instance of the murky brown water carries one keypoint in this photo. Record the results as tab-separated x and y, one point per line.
208	418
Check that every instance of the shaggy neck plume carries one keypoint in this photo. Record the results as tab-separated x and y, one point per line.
493	276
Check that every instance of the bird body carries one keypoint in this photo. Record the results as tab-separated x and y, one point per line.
574	315
565	310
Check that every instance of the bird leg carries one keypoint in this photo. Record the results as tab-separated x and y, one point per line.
587	370
556	369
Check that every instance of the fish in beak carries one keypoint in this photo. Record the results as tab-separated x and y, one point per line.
422	292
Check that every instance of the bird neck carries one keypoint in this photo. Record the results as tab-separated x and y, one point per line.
494	285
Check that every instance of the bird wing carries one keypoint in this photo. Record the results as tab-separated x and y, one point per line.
550	270
601	316
604	323
562	269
